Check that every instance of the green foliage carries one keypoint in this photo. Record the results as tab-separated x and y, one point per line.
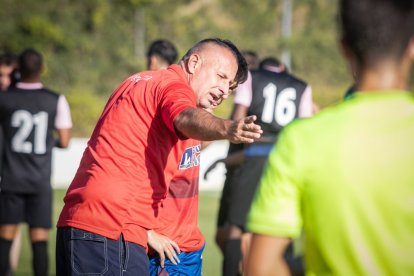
91	46
86	108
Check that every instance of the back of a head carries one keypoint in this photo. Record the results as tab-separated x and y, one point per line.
30	64
163	49
242	70
251	58
375	30
269	61
272	64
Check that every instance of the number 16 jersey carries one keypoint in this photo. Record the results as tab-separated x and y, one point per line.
277	100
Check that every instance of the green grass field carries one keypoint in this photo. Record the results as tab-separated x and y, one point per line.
207	220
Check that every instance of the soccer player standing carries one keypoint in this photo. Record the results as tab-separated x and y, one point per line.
29	116
276	97
345	177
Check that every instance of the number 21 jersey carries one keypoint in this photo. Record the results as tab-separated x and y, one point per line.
27	117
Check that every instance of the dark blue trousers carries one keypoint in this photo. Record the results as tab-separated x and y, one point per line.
80	252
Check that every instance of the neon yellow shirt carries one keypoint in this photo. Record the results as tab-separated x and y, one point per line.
346	178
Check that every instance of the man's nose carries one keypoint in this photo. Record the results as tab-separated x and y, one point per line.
225	89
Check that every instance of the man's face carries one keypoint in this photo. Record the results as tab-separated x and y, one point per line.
213	76
5	76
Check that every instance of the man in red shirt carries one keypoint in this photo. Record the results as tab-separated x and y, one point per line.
147	135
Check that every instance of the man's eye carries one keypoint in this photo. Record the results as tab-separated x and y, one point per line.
233	86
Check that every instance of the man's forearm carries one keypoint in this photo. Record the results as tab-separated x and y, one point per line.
199	124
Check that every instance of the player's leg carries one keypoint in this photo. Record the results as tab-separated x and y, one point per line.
222	217
11	214
40	257
7	233
232	251
81	252
245	248
39	218
247	180
16	248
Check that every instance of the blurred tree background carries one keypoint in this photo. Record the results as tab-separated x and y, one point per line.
91	46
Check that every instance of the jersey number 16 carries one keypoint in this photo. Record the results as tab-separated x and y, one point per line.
280	106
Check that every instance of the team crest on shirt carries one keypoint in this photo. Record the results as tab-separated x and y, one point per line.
190	157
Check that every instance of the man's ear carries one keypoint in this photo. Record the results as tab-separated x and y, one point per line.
153	63
411	48
193	63
346	52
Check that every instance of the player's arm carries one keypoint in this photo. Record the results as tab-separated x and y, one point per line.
306	107
63	123
199	124
239	112
64	136
164	246
266	256
233	159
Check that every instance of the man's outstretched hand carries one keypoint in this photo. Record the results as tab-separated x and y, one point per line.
244	130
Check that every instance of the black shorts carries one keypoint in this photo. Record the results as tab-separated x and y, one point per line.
35	209
245	182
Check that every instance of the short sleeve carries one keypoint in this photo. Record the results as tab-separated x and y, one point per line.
63	118
176	98
244	92
306	103
276	207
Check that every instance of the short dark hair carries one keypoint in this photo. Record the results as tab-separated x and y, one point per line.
374	29
241	75
30	63
163	49
9	59
270	61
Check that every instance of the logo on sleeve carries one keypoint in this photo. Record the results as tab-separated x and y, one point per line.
138	77
190	158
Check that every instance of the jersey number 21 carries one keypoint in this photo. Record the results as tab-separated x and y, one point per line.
26	122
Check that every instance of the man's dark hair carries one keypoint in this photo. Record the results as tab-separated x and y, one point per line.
11	60
270	61
164	49
374	29
241	74
8	59
30	63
